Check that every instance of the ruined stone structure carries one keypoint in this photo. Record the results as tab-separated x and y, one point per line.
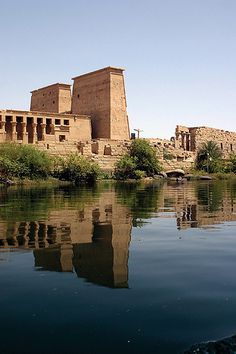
191	139
65	241
101	94
55	98
96	109
92	121
30	127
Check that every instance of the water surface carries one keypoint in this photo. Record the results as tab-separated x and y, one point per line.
132	268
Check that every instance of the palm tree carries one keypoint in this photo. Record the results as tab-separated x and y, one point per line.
208	157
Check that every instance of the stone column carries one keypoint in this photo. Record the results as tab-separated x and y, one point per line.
187	141
35	138
24	133
183	140
26	235
43	126
52	129
3	132
14	133
36	234
177	140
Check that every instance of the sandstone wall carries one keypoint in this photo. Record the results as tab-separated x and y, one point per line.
101	95
192	138
46	128
119	118
54	98
226	140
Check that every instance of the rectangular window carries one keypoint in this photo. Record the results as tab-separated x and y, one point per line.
221	146
66	122
231	147
57	122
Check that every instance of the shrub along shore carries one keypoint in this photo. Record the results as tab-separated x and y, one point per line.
24	163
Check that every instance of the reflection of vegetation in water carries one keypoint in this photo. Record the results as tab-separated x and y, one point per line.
210	194
232	188
141	199
29	204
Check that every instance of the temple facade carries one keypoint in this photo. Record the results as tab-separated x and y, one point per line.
95	109
191	139
90	118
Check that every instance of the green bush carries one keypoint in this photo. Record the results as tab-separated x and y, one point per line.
232	164
209	158
24	161
125	168
145	157
140	162
77	169
167	155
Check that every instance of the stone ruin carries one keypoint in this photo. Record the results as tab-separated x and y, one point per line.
92	120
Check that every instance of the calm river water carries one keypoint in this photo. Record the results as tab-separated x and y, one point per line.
119	268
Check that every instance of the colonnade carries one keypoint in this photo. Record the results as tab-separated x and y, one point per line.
28	235
24	128
184	140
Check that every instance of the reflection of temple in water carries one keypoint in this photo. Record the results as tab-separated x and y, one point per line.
197	205
93	241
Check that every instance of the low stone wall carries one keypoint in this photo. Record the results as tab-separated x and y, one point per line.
226	140
107	152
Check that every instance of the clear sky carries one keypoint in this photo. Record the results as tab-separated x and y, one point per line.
179	55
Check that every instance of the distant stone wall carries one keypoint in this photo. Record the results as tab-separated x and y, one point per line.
191	139
226	140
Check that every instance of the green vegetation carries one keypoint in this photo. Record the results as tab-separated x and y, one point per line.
27	162
140	162
77	169
141	199
24	161
209	158
167	155
232	164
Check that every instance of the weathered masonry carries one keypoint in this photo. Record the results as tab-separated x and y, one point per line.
191	139
96	109
91	119
35	127
101	94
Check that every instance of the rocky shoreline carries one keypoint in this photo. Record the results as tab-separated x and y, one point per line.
222	346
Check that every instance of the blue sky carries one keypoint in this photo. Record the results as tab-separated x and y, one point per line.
179	55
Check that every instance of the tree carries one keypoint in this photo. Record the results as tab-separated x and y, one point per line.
145	157
77	169
209	157
232	163
140	162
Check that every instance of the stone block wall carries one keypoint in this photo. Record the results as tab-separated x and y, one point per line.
101	94
226	140
192	138
107	152
53	98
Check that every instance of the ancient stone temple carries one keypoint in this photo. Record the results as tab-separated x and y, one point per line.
191	139
96	109
101	94
91	119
